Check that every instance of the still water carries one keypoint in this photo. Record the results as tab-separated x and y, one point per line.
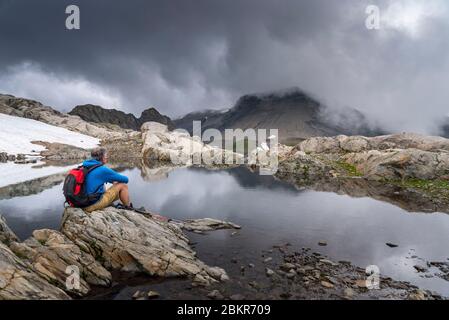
271	212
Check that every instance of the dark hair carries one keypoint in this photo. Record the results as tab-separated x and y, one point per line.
98	153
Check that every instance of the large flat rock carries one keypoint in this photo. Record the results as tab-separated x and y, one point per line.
128	241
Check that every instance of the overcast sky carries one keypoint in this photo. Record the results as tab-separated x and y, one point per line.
186	55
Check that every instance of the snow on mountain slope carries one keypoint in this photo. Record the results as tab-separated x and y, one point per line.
17	133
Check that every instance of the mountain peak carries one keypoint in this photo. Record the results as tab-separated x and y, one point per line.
98	114
292	111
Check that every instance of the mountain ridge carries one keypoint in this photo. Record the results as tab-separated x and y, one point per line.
98	114
296	114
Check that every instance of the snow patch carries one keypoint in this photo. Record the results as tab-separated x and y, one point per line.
17	133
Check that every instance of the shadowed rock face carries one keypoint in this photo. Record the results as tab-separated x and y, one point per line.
97	114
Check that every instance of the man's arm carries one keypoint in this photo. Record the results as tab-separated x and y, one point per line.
112	176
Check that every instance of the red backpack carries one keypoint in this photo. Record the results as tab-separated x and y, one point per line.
74	187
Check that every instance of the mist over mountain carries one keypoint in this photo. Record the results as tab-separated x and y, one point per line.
293	112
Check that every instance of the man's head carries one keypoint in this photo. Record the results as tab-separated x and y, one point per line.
99	154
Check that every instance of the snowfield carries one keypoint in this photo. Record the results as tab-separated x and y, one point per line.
17	133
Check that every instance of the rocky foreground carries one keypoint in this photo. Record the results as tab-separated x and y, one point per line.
288	273
98	244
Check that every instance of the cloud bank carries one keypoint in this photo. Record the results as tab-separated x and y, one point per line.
188	55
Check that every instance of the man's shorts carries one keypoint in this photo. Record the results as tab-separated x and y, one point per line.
109	197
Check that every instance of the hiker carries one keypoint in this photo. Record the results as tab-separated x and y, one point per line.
95	180
84	187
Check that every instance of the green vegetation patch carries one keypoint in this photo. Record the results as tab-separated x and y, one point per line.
350	169
432	187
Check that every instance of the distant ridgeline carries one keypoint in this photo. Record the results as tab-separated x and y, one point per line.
295	114
97	114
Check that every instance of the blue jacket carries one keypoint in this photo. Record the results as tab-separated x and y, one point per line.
98	177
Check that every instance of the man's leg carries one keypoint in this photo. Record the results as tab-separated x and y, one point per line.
116	192
123	193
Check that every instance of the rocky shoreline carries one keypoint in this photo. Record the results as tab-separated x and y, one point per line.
282	272
108	245
97	244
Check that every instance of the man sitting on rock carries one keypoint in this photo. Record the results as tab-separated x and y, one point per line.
96	179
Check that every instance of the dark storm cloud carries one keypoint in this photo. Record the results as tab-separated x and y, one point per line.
187	55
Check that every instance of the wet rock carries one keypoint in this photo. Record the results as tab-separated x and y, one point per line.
215	295
322	243
327	285
25	160
254	284
417	295
6	234
207	224
420	268
153	294
285	295
251	265
269	272
360	283
127	241
287	266
326	261
138	295
267	259
349	293
392	245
